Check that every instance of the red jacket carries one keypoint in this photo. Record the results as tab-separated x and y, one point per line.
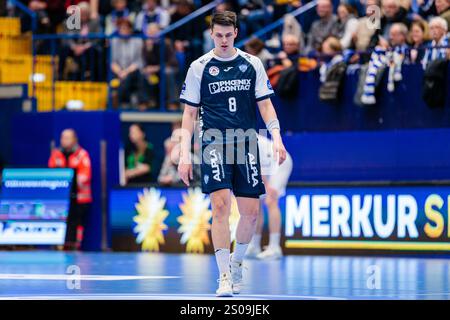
81	163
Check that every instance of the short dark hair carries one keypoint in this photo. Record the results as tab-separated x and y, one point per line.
225	18
255	44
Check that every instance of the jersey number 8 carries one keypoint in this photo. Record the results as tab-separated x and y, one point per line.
232	104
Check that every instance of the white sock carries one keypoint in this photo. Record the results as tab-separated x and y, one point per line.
256	241
223	260
274	240
239	251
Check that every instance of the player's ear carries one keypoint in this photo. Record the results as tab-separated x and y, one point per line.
235	32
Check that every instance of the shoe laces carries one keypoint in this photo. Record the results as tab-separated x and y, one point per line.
222	279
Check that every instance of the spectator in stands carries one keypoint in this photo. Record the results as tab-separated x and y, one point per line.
39	7
393	12
139	157
288	58
387	54
364	31
49	14
443	9
291	50
151	13
93	5
398	36
346	24
439	43
321	28
332	53
127	63
256	47
424	8
253	16
120	11
72	155
152	69
418	38
292	26
168	176
84	53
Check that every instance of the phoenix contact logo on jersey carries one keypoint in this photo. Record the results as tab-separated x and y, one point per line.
230	85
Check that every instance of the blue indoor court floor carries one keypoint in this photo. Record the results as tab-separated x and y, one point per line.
53	275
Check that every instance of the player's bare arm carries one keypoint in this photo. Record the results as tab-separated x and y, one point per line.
270	119
187	126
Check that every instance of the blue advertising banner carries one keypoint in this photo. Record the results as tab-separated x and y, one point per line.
34	205
388	218
412	218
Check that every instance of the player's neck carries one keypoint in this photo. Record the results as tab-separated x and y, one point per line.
225	55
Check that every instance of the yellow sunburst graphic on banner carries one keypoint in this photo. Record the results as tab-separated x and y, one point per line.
234	218
150	219
195	220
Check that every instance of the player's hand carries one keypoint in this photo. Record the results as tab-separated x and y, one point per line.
279	150
185	171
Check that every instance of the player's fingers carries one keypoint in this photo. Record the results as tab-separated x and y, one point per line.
183	177
282	157
186	180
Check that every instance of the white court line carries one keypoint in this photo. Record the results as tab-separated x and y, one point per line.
81	277
164	297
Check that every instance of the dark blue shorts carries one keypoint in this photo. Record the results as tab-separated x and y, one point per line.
232	166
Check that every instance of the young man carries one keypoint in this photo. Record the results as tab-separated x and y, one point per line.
275	180
225	84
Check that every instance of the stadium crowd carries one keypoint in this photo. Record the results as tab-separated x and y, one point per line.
380	33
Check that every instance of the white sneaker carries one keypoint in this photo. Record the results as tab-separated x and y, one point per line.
252	252
225	286
236	275
271	253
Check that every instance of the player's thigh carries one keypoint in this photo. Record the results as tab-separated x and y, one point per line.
248	206
216	174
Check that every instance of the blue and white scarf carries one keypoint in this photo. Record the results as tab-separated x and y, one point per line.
436	53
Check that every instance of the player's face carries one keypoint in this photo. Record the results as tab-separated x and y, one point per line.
68	140
223	37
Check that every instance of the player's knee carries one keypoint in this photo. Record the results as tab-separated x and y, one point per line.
251	214
219	205
271	202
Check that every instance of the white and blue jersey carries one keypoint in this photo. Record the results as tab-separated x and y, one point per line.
226	90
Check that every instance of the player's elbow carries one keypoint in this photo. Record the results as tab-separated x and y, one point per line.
190	112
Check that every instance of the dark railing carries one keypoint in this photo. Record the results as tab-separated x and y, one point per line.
27	11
